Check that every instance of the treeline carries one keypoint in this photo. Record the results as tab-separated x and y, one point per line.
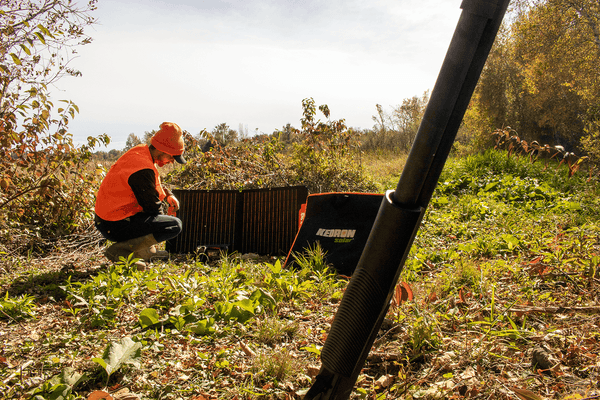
393	130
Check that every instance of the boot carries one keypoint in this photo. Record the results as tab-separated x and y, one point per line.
151	253
122	249
125	248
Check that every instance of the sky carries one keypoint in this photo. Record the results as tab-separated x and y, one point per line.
250	63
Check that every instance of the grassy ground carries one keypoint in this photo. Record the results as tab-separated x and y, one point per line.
503	273
385	167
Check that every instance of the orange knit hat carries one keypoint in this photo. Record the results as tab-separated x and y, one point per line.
169	139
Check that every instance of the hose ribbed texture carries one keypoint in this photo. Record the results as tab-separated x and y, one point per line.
352	324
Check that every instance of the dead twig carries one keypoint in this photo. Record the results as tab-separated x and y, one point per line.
556	310
24	366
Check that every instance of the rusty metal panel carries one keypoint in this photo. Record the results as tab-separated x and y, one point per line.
270	219
208	218
262	221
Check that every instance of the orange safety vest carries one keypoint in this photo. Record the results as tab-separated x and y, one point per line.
115	200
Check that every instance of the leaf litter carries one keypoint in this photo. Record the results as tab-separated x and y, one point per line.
467	343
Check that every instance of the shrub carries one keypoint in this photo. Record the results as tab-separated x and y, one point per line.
326	159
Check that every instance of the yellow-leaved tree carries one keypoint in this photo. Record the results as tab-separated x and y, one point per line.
46	185
542	77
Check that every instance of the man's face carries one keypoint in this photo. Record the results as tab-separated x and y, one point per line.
164	159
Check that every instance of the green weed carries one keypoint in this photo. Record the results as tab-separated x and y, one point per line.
99	300
423	335
276	365
17	308
271	331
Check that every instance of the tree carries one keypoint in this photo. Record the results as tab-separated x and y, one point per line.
396	130
322	157
37	153
317	130
114	154
380	120
132	141
545	43
224	135
327	156
286	134
586	14
407	117
243	131
38	39
148	136
495	101
541	78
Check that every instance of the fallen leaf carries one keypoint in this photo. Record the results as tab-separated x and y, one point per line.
525	394
125	394
247	350
384	381
432	297
312	371
99	395
472	392
407	293
541	358
575	396
468	373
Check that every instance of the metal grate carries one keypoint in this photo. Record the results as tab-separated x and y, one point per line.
262	221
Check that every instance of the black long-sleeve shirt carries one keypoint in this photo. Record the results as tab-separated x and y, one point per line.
143	186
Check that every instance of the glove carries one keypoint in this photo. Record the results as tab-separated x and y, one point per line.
173	205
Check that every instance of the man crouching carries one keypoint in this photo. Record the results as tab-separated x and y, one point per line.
129	201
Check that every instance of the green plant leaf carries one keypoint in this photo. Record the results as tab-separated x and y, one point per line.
490	186
263	298
203	327
148	317
275	268
177	321
125	351
511	241
26	49
53	392
40	36
59	387
100	362
246	305
243	310
15	59
70	377
314	349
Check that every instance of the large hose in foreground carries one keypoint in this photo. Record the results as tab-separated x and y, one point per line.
369	292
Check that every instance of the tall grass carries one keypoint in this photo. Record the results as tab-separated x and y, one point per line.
384	167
